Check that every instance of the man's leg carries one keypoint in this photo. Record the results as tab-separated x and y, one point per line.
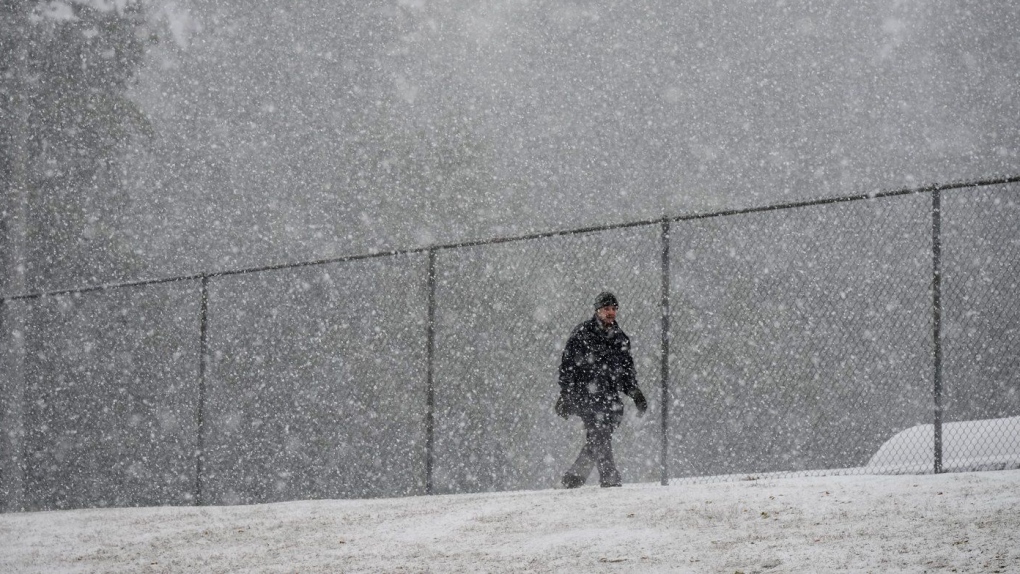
581	468
600	441
579	471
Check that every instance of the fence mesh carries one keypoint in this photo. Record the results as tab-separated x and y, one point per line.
981	246
315	385
795	345
503	315
110	398
801	342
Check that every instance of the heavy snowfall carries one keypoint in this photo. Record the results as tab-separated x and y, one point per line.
285	287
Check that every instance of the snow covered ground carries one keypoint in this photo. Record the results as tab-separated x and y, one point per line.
967	522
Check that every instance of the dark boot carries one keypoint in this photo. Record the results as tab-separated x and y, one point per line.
579	471
572	481
610	477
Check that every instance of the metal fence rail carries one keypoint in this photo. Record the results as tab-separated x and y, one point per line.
873	333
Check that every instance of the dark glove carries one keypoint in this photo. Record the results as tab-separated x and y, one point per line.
561	408
639	401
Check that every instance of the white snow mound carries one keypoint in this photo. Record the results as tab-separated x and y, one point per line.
966	446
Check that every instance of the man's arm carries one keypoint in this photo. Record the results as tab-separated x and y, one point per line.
629	385
568	376
568	363
639	399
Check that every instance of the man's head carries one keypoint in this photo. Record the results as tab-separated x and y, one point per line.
605	307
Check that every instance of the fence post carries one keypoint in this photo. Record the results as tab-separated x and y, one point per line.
430	346
936	249
664	461
203	352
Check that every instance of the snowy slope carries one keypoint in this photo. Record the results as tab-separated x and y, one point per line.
968	522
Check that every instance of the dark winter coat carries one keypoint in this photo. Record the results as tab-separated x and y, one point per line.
595	368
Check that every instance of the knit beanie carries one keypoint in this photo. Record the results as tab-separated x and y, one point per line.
606	299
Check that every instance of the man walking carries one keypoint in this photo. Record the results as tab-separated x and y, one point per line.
595	368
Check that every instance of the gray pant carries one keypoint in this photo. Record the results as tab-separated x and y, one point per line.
597	452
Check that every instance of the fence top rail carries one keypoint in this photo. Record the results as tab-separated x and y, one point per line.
878	194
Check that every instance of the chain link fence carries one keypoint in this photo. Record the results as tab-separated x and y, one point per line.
861	335
981	308
503	314
314	385
802	337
